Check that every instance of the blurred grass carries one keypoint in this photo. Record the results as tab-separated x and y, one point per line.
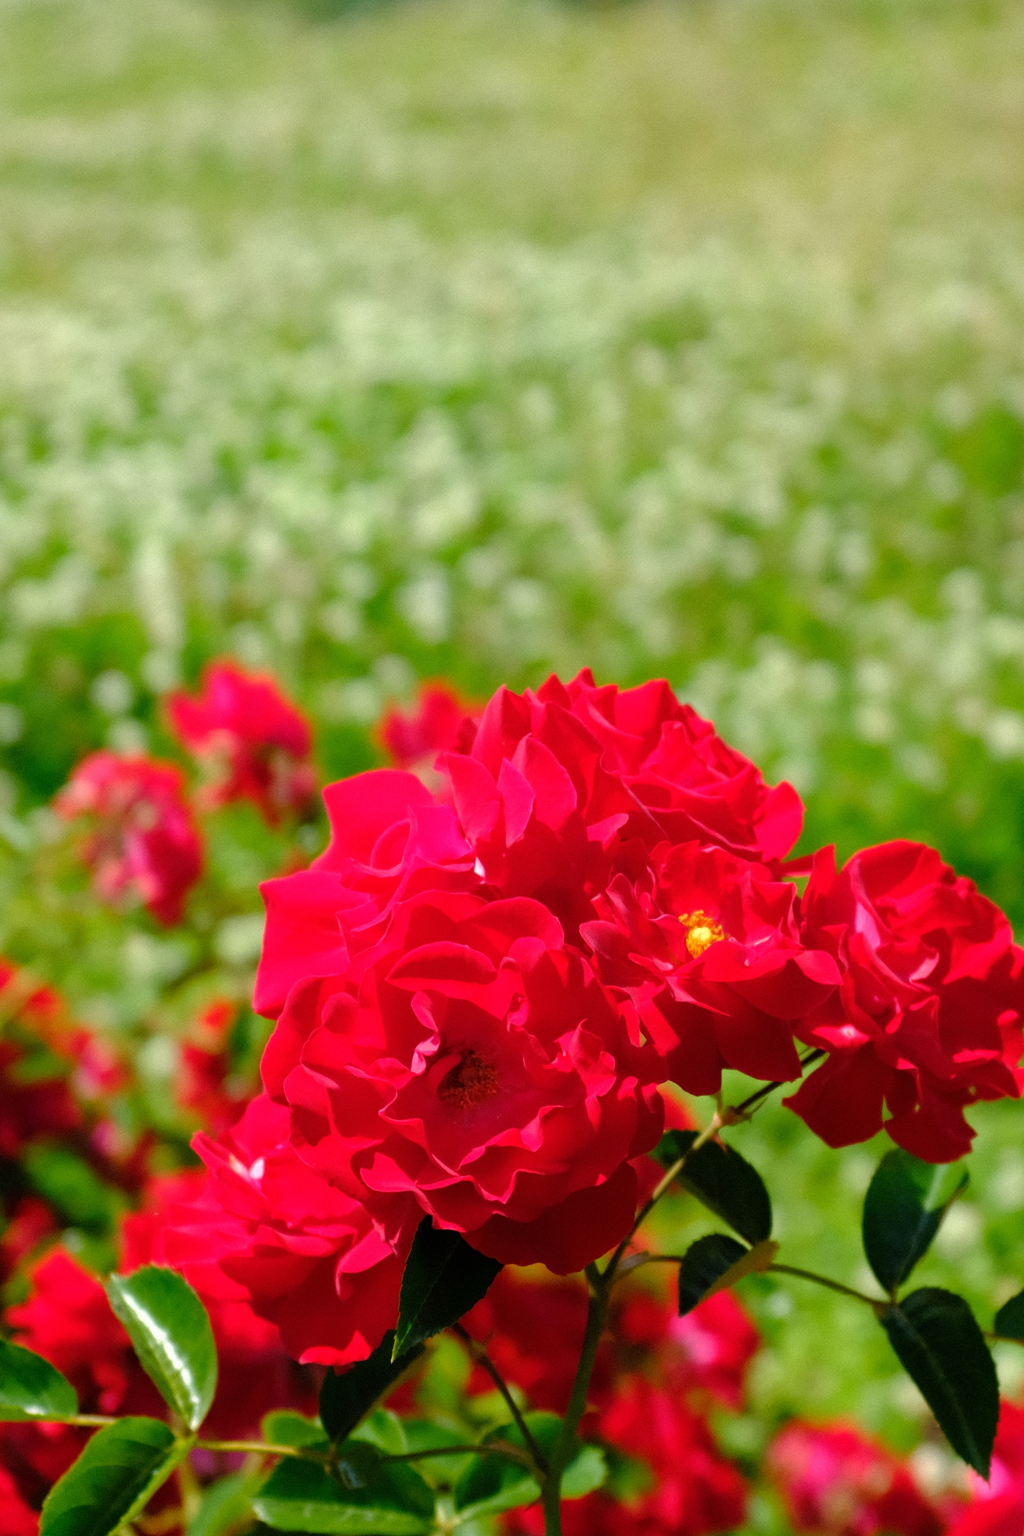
487	338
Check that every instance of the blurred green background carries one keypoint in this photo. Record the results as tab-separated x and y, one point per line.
482	338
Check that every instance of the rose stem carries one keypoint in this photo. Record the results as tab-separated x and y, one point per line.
513	1407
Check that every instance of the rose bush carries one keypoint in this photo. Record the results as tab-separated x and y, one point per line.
489	996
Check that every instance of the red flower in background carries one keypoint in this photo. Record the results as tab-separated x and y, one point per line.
252	740
265	1230
144	840
691	1489
998	1505
707	947
50	1067
442	721
202	1086
836	1482
929	1014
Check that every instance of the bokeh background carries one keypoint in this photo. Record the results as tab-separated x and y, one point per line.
484	338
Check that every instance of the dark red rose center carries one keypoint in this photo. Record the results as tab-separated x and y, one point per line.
469	1083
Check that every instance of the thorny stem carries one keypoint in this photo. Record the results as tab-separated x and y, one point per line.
510	1402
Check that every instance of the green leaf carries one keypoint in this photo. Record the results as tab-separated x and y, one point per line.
67	1181
943	1350
371	1496
345	1399
703	1263
1009	1320
443	1278
113	1480
903	1209
491	1484
285	1427
168	1325
30	1387
226	1507
385	1430
723	1181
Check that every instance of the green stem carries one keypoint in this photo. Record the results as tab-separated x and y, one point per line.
832	1285
492	1448
561	1455
510	1402
265	1448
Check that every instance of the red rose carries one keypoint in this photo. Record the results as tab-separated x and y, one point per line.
928	1017
561	787
707	948
252	740
144	840
389	839
474	1062
836	1482
268	1231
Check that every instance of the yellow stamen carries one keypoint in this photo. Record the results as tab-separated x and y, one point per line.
701	932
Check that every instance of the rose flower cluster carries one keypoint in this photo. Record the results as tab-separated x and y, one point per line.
478	991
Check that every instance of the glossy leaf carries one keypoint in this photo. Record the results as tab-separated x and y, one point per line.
491	1484
30	1387
723	1181
943	1350
443	1278
113	1480
369	1496
903	1209
168	1325
1009	1320
345	1399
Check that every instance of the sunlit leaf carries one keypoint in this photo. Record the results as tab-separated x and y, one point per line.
168	1325
30	1387
113	1480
